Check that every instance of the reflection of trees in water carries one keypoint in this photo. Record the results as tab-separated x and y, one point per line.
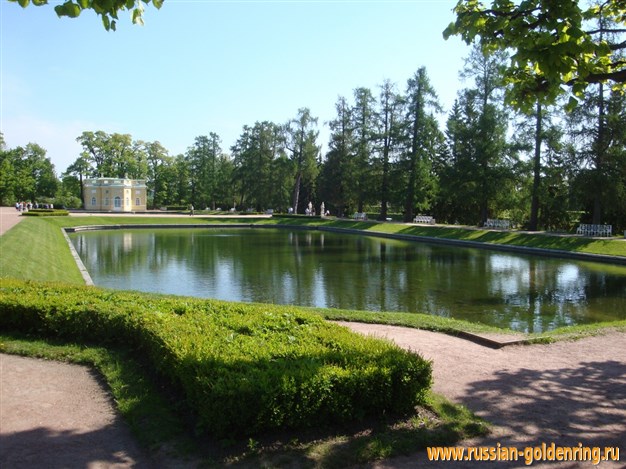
350	272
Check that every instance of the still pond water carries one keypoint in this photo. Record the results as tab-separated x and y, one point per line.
310	268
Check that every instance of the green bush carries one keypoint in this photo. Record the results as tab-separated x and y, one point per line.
242	368
46	212
297	216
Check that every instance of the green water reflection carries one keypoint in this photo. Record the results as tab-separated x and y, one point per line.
312	268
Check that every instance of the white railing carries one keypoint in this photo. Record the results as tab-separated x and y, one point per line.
498	224
424	219
594	230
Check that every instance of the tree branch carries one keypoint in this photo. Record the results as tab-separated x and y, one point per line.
618	76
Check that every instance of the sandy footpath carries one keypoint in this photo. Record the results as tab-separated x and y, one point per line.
566	393
57	415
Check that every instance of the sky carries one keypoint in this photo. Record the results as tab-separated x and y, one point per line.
201	66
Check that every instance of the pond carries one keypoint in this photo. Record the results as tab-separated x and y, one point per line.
312	268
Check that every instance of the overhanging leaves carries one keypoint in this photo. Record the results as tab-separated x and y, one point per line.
555	47
107	9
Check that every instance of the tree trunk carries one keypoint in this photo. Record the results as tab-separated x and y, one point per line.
385	184
296	192
600	152
534	205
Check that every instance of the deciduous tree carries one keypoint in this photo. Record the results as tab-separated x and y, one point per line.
555	47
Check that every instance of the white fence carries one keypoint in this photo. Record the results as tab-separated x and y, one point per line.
595	230
498	224
360	216
424	219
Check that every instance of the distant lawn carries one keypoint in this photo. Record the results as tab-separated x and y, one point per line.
35	249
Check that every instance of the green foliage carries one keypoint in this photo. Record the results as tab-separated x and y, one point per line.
552	44
243	369
107	9
46	212
301	138
110	155
26	174
261	167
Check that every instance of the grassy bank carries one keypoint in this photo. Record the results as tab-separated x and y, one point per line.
608	246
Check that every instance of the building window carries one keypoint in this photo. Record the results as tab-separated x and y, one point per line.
118	202
127	201
93	201
137	201
106	202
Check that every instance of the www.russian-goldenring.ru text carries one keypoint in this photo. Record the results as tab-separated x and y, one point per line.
529	454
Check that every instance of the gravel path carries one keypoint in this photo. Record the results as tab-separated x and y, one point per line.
566	393
56	415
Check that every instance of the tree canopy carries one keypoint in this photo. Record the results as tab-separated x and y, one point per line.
108	10
556	47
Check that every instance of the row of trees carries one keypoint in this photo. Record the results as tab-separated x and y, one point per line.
26	174
387	152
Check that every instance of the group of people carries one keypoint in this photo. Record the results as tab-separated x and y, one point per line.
26	206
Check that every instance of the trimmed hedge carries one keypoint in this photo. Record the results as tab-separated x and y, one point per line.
242	368
46	212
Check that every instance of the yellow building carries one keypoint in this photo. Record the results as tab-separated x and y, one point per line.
115	195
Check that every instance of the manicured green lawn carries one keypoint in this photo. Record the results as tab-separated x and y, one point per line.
35	249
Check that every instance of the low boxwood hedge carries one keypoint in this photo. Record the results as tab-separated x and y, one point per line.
46	212
242	368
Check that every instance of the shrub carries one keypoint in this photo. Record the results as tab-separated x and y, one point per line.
297	216
46	212
242	368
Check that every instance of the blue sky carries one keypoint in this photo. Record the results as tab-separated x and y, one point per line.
201	66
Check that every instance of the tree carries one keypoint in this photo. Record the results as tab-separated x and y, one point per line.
203	158
488	135
336	170
107	9
551	43
157	160
390	105
7	174
422	133
29	174
302	143
81	168
258	153
363	116
597	137
113	155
